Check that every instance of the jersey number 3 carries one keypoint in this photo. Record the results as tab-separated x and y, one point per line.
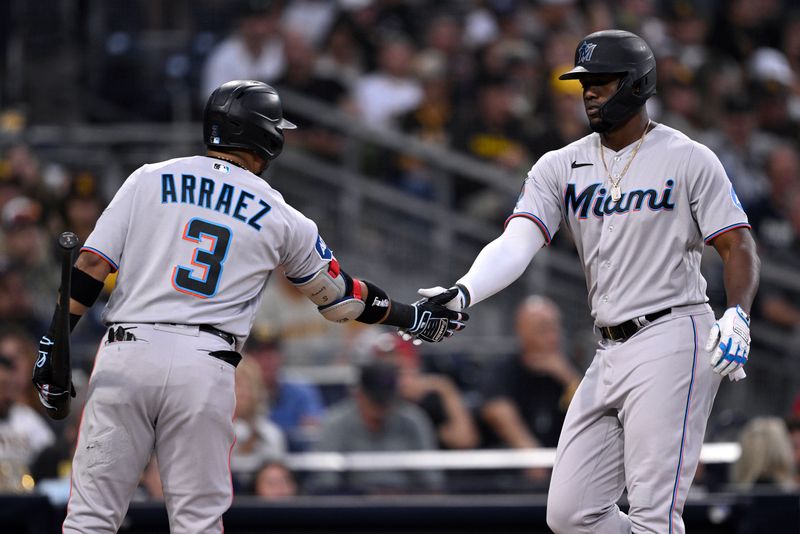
208	261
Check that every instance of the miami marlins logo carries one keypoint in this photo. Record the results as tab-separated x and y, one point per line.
585	52
594	198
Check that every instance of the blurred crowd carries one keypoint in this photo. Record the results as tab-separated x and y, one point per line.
477	77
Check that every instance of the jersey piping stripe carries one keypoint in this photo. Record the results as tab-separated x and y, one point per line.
108	260
718	233
683	435
536	221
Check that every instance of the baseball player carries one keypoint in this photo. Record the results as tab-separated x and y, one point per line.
194	241
640	200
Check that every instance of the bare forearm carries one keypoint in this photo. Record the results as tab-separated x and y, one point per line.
741	268
505	421
459	431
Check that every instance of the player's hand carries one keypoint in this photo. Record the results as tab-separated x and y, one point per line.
432	321
49	394
458	303
729	341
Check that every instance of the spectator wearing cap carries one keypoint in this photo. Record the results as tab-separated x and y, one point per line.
375	419
295	406
254	52
28	260
23	434
435	394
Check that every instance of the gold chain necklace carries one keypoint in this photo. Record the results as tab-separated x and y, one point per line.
616	193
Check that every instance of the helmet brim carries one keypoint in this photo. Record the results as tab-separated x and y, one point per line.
580	71
286	125
574	74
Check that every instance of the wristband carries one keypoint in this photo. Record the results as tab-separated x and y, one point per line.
377	305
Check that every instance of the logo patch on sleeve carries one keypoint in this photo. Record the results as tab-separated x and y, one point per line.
322	249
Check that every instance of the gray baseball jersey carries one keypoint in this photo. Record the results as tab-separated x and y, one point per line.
641	254
638	418
195	240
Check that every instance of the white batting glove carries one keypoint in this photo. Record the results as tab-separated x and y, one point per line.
729	342
457	303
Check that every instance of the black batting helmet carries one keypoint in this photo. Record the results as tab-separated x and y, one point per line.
245	114
617	52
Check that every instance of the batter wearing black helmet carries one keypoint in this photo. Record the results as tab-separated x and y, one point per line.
641	201
194	241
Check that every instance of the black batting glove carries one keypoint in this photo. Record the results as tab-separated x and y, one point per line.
49	394
432	321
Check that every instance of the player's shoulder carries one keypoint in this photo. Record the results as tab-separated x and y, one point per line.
562	158
675	142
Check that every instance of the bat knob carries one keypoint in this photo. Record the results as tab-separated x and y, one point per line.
68	240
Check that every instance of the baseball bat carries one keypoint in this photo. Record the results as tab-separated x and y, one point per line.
61	366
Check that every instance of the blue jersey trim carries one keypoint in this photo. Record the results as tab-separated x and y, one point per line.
718	233
683	435
114	266
536	220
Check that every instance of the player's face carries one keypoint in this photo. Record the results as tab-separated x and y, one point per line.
597	89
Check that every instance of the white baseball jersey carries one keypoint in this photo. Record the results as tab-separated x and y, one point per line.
640	254
207	236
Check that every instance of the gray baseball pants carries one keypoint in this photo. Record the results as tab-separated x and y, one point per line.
637	421
162	393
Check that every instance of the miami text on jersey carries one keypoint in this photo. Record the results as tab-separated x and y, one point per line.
202	193
594	197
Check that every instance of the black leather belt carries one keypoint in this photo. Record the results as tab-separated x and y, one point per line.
120	333
230	338
623	331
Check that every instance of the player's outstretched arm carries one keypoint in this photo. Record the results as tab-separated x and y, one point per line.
341	298
729	339
499	264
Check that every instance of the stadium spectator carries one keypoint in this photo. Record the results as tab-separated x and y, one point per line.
254	52
566	120
380	97
21	349
374	419
526	395
436	394
275	482
743	150
23	435
767	457
296	407
257	438
301	77
342	58
306	338
28	253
